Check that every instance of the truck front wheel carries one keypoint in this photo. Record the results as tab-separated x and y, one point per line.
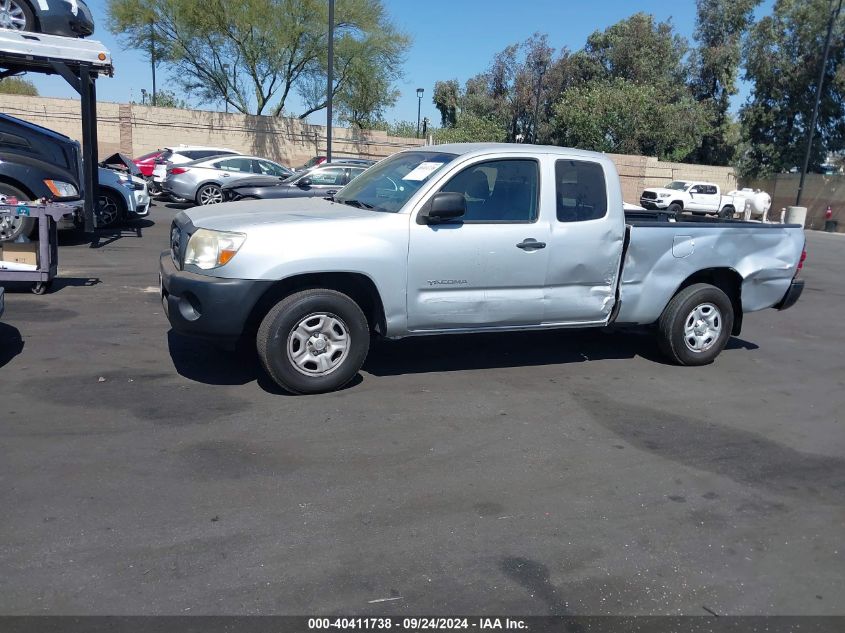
696	325
313	341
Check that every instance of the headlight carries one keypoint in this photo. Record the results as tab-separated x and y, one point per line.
665	195
209	249
61	189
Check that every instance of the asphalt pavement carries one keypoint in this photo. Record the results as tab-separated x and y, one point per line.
531	473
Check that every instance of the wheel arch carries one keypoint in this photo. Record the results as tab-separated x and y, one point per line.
678	202
124	207
728	280
12	182
357	286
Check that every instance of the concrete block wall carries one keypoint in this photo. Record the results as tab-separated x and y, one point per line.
819	192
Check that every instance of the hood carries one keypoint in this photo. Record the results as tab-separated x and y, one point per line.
121	162
235	216
659	190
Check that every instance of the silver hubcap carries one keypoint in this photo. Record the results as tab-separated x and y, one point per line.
11	16
107	210
9	227
318	344
702	327
211	195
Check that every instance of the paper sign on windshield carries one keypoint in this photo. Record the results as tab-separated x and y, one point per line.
422	171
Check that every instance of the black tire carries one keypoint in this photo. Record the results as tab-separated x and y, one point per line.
675	210
676	318
727	212
11	229
111	208
276	341
209	194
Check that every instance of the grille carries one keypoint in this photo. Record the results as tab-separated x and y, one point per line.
649	195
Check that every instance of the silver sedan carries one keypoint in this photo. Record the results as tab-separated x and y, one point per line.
202	180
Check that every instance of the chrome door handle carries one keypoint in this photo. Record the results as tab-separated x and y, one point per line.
530	244
331	192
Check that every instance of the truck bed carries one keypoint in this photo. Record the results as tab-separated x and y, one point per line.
662	255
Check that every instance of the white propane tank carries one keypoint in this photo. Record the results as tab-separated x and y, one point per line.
757	202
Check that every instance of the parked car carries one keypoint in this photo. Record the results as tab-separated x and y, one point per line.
465	238
70	18
37	163
183	154
325	180
123	193
202	180
696	197
147	162
320	160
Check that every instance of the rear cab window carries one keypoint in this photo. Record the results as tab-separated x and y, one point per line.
581	191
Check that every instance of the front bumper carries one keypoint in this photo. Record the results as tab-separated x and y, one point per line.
208	307
792	295
652	204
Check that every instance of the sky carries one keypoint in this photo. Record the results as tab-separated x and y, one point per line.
451	39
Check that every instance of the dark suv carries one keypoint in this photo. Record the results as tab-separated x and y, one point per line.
37	163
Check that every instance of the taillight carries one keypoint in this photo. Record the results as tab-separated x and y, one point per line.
178	170
801	261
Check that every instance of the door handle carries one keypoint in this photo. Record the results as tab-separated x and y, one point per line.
530	244
331	192
226	175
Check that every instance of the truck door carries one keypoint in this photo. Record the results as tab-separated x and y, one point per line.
487	269
585	246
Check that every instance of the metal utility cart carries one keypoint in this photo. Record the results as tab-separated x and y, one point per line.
47	252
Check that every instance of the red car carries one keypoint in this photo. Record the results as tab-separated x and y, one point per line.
147	162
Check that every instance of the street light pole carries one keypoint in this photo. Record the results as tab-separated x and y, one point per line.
153	58
330	84
420	92
833	17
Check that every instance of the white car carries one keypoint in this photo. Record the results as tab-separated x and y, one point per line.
180	154
121	197
696	197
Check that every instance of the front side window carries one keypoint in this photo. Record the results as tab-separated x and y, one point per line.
270	169
678	185
498	190
580	190
327	176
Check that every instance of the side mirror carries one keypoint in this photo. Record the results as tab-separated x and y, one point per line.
442	207
303	182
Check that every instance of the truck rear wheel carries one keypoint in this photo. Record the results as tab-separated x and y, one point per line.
313	341
696	325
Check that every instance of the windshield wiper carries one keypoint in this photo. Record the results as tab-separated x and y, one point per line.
357	203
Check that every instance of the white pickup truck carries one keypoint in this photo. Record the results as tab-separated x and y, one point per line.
696	197
458	239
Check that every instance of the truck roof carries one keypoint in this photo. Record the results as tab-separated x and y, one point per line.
467	148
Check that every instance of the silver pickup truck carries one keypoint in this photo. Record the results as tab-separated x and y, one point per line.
465	238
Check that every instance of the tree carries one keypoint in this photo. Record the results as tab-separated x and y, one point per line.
637	49
18	86
622	116
446	96
168	99
720	25
783	57
469	128
253	53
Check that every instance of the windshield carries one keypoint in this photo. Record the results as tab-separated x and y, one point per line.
679	185
388	185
